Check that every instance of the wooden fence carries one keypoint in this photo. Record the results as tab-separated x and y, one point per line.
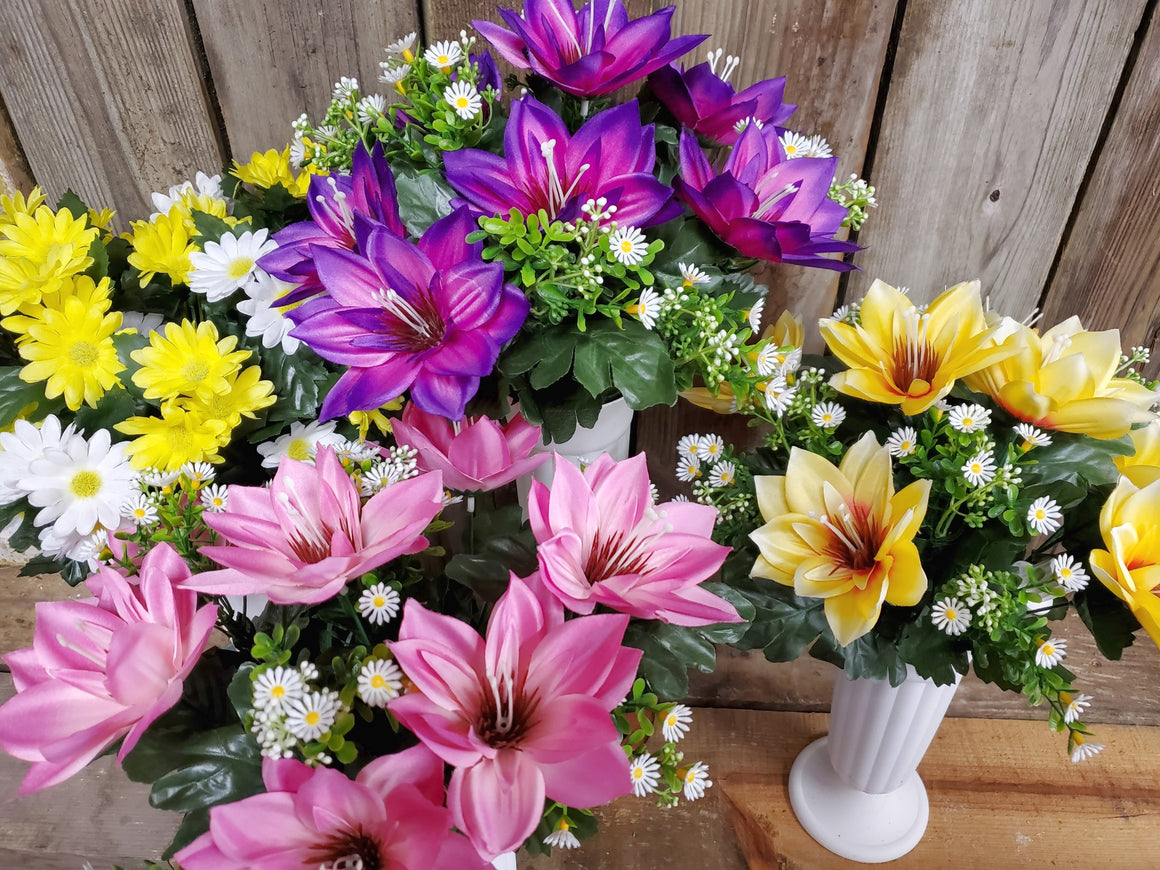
1014	142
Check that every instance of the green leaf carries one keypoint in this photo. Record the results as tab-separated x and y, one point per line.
729	632
219	766
73	204
634	360
209	227
114	407
192	826
16	396
687	644
100	255
784	625
1111	623
869	657
300	383
424	197
666	674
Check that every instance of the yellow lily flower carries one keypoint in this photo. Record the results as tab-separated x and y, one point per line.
903	356
1130	566
843	534
1065	380
1143	465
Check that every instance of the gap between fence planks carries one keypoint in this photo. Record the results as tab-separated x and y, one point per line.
989	124
1002	795
1109	272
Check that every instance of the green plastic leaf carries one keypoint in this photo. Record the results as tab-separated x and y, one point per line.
687	644
666	674
192	826
424	197
729	632
784	625
220	766
634	360
209	227
16	396
73	204
1108	619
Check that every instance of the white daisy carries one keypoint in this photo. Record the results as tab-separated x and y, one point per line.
401	46
816	146
969	418
1044	515
779	396
80	484
767	360
227	265
309	671
379	604
828	415
355	451
202	185
647	308
951	616
696	781
562	837
1050	653
1032	436
979	470
710	447
788	361
840	312
25	444
1084	750
795	144
754	314
1069	572
379	681
745	122
654	493
627	245
198	472
215	498
645	772
676	724
297	152
311	716
344	87
902	442
275	686
140	510
444	54
264	318
140	323
71	544
464	99
157	478
371	108
689	469
724	473
1074	705
393	73
300	443
692	275
689	447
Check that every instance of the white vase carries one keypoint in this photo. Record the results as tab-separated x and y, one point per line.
857	790
610	434
506	861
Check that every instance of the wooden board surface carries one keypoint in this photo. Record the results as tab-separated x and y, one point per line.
107	98
992	115
1109	272
14	172
1002	793
275	59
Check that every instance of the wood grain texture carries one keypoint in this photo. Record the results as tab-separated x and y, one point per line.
988	128
1109	271
275	59
107	98
1002	794
14	172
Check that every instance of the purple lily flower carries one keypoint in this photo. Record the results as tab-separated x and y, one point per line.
489	76
589	52
705	102
764	204
544	167
334	200
429	316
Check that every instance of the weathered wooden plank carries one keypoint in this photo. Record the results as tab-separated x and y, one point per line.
275	59
1109	271
1009	779
107	97
988	128
14	172
1124	691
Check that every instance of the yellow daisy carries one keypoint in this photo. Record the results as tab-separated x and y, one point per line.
18	203
247	393
38	251
173	439
72	351
269	168
162	245
102	220
94	294
189	361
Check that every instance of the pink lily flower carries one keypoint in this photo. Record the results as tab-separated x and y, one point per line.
475	454
522	715
390	816
603	541
301	539
102	668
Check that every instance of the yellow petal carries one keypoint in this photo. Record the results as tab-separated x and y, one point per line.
867	464
852	615
804	478
907	582
770	491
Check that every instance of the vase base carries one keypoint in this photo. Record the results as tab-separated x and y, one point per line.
871	828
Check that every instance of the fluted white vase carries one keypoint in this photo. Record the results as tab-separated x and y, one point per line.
611	434
506	861
857	791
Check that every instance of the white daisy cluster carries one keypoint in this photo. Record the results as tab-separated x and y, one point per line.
799	145
203	185
290	711
662	774
700	461
399	463
79	484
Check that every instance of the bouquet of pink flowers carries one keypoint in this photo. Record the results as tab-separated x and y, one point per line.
374	654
